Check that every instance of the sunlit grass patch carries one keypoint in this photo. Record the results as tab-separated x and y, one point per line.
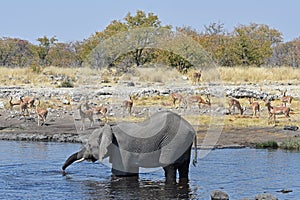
245	74
153	101
291	144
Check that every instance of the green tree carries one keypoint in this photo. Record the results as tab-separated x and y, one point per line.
43	48
63	55
16	52
253	43
120	32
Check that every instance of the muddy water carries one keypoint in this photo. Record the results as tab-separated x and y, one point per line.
32	171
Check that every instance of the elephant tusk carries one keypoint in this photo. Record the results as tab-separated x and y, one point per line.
80	160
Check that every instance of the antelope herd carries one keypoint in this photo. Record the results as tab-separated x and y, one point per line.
178	100
233	103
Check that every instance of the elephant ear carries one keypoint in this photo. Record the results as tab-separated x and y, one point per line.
106	140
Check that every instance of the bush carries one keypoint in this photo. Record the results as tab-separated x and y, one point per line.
291	144
267	145
66	84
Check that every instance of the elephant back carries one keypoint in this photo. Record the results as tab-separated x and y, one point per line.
162	132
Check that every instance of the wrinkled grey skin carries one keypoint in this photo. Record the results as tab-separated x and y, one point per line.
163	140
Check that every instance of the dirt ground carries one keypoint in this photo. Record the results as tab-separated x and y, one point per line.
66	129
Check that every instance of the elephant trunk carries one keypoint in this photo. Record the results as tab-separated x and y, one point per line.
70	160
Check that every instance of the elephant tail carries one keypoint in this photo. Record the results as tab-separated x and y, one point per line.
195	151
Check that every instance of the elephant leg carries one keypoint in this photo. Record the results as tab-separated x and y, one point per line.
183	166
119	173
183	170
170	174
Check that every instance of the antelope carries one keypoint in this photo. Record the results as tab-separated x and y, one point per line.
196	77
234	103
286	99
177	97
98	110
255	106
277	110
14	103
29	101
23	107
199	100
41	113
127	104
85	114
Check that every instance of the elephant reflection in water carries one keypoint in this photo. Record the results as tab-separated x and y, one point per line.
163	140
131	188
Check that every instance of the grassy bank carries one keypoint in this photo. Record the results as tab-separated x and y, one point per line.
240	74
289	144
228	75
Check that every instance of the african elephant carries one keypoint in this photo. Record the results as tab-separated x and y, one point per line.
163	140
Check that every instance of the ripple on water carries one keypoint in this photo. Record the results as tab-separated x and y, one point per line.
31	170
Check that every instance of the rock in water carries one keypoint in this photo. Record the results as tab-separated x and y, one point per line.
219	195
265	196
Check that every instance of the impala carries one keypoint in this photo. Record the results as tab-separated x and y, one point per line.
85	114
14	103
277	110
29	101
41	113
234	103
128	104
196	77
199	100
23	107
286	99
178	97
102	110
255	106
98	110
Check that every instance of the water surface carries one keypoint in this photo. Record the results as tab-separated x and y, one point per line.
31	170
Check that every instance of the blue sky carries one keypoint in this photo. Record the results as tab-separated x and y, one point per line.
71	20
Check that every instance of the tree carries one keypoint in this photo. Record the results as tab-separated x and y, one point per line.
43	48
253	43
63	55
286	54
16	52
121	32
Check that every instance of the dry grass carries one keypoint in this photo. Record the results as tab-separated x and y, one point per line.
238	75
230	75
234	75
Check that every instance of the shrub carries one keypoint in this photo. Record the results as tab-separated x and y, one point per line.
291	144
267	145
67	83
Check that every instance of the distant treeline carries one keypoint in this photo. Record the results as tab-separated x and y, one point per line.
254	44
